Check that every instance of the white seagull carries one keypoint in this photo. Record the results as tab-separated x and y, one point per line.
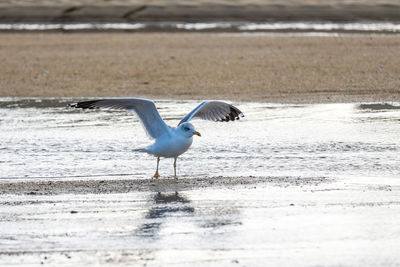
170	142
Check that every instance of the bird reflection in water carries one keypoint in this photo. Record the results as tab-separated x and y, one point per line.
164	205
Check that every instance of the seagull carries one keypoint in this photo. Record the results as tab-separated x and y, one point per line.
170	142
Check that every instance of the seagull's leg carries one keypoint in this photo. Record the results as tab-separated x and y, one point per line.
156	175
176	177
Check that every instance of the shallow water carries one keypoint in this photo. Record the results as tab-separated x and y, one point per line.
44	138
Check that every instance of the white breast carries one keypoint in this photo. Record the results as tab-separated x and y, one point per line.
170	146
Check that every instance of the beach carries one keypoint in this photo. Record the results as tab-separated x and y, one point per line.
287	68
309	176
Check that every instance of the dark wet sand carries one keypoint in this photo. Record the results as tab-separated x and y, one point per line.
192	11
266	68
104	186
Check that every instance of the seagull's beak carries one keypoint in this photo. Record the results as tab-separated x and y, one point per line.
196	133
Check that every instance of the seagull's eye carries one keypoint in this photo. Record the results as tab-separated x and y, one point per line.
186	128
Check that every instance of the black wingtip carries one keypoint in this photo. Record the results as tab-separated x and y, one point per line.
234	114
84	104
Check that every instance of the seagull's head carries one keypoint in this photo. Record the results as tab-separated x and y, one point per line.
188	129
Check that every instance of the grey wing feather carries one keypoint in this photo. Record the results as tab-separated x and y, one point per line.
145	109
214	110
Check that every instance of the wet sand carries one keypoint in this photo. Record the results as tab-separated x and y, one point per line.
253	67
202	10
280	220
105	186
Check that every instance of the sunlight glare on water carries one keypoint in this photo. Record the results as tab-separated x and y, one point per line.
45	138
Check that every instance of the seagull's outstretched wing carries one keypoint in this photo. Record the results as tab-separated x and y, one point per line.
214	110
143	108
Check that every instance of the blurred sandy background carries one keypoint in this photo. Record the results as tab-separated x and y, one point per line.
196	66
